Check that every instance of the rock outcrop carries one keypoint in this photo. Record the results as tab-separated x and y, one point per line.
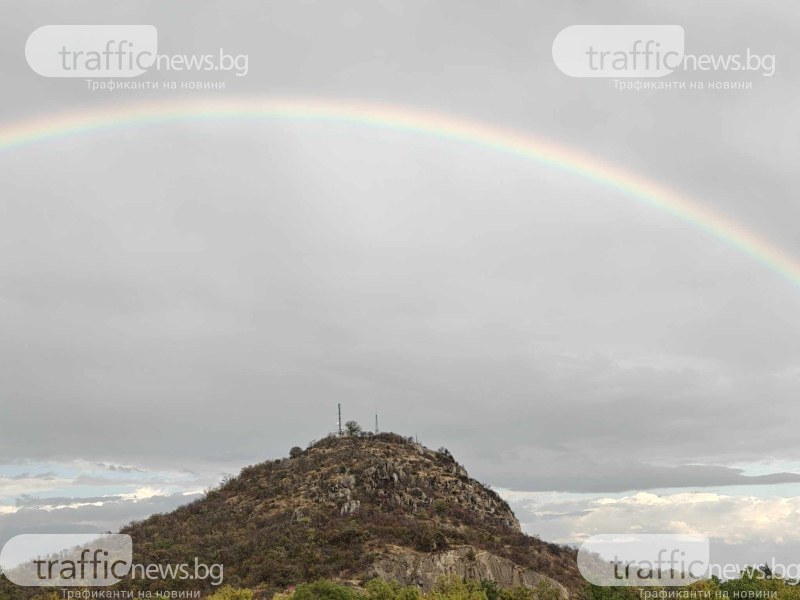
411	481
424	569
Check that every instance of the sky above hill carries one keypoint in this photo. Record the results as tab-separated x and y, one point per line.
178	300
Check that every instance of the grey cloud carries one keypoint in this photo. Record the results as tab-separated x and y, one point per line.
201	295
644	477
122	468
45	475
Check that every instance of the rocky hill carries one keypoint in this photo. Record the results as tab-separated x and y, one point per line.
350	509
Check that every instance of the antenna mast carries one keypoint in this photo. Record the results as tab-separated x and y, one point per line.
340	417
376	423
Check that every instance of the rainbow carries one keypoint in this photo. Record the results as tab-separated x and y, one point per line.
437	125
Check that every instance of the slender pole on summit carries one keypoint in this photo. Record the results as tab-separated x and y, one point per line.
340	417
376	423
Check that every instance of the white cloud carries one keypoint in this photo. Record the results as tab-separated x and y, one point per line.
143	493
73	505
728	518
651	499
11	487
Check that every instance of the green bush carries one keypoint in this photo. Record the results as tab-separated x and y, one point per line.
378	589
491	589
230	593
455	588
545	591
324	590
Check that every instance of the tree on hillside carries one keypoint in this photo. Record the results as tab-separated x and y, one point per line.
352	428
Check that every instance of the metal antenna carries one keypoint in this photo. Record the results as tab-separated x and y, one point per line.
340	417
376	423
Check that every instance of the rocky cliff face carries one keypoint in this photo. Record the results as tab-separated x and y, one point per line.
424	569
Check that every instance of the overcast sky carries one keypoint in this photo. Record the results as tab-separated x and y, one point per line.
180	300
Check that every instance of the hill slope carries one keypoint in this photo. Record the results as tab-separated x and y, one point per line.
351	508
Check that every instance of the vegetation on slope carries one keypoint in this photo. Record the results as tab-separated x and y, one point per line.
326	511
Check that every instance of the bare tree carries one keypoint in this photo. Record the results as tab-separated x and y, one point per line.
352	428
